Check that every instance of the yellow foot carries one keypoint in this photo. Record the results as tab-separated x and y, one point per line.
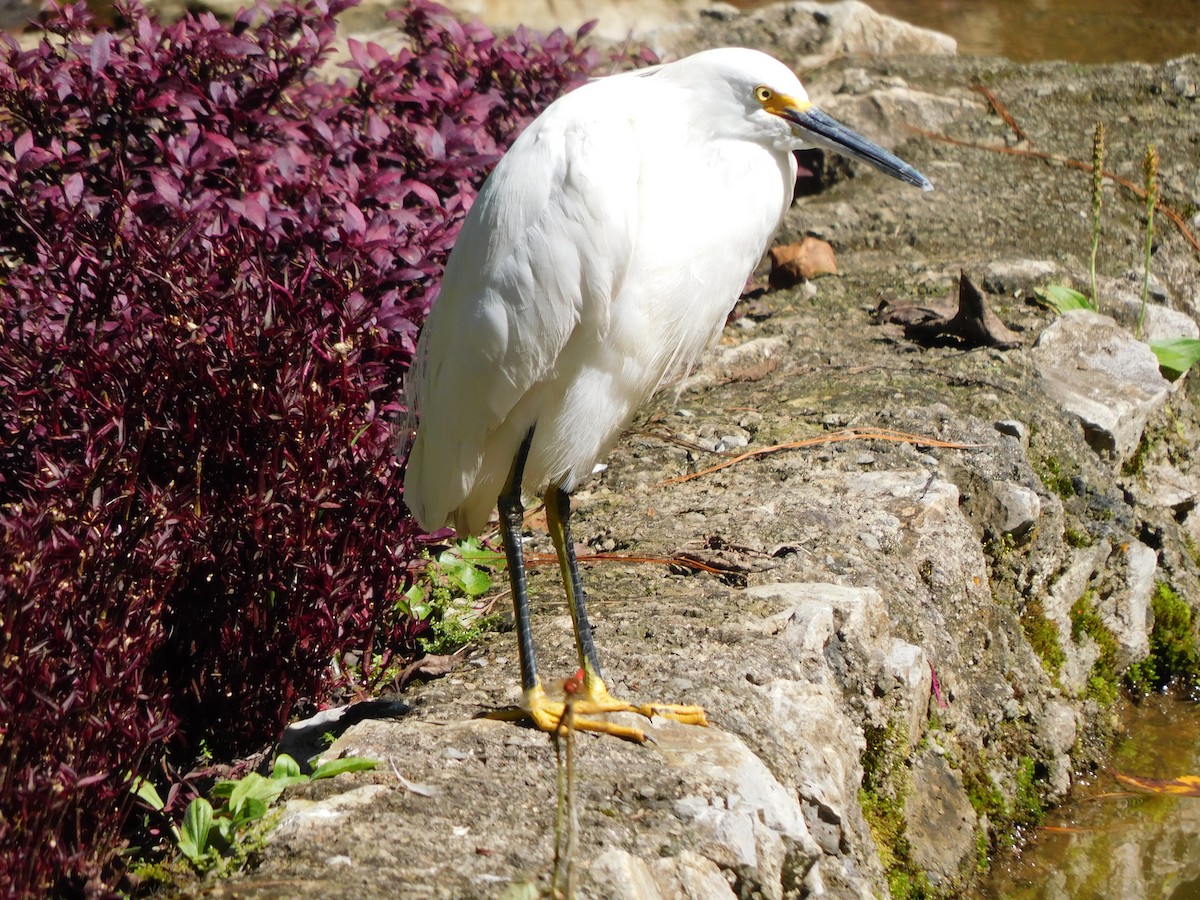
592	700
596	698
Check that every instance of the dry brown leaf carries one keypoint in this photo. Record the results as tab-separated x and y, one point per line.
431	666
793	263
1183	786
756	372
970	320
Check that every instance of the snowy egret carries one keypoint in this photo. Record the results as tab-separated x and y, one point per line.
600	258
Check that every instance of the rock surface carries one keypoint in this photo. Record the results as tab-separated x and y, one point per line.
906	666
1098	372
804	32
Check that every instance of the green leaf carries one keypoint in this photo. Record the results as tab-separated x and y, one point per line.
197	823
1062	298
473	551
249	810
414	602
335	767
254	787
473	581
223	788
147	793
1176	355
285	767
223	837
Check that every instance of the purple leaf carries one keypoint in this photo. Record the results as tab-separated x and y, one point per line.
100	52
354	222
73	188
22	145
166	187
223	261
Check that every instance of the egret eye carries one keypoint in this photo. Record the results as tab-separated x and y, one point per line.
763	94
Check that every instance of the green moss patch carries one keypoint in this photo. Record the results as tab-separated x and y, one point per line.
1174	653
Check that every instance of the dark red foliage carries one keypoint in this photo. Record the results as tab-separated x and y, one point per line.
213	261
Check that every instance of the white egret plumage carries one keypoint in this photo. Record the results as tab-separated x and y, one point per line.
600	258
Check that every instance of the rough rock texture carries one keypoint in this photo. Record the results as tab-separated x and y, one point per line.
804	32
1097	371
908	666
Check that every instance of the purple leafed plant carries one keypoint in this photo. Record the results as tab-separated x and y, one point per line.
213	261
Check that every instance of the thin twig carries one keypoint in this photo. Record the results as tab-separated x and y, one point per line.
849	434
566	823
1002	111
1175	218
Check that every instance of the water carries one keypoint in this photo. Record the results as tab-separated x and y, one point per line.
1105	843
1085	31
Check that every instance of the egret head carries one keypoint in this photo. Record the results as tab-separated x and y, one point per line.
778	107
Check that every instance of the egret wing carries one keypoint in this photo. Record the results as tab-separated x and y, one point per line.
541	254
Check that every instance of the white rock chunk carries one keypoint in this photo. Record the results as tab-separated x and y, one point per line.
1095	370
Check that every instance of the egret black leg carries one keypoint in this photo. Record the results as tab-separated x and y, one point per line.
595	695
594	699
545	713
558	518
512	515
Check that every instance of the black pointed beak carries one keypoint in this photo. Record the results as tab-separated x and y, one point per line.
820	129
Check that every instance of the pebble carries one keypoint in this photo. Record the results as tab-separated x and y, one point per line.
1012	428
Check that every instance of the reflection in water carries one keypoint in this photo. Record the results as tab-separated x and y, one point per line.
1084	31
1189	890
1141	846
1088	31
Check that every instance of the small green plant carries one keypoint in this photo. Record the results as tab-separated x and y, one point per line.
1077	537
1061	298
1028	806
447	595
1150	173
886	786
221	838
982	846
1175	355
1136	462
1097	201
1056	478
1006	815
999	548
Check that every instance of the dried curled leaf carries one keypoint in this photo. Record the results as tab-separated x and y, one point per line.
793	263
970	321
1183	786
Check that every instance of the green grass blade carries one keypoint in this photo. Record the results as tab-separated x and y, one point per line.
335	767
